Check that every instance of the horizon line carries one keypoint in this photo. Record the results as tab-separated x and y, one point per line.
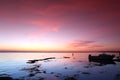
85	51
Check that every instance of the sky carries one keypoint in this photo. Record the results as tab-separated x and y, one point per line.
59	25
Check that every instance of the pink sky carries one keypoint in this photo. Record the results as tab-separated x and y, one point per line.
59	25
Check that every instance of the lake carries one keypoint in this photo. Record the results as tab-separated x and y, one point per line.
56	66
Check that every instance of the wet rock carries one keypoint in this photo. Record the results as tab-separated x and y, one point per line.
35	60
66	68
86	66
85	73
70	78
41	79
31	75
44	72
31	61
66	57
80	61
52	73
117	77
101	72
57	76
32	69
6	78
76	75
47	58
37	66
78	71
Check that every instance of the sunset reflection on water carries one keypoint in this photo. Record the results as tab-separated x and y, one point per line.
61	67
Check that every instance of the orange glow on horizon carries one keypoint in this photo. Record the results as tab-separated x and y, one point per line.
59	25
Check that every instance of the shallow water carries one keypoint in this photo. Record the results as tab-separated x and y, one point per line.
65	66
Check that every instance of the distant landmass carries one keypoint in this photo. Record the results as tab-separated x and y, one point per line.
7	51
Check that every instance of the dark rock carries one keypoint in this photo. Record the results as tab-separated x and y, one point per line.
31	75
56	75
70	78
41	79
6	78
66	57
52	73
85	73
66	68
35	60
44	72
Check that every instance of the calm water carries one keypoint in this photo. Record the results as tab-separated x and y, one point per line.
64	66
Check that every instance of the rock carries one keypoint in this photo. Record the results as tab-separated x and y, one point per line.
6	78
66	57
85	73
70	78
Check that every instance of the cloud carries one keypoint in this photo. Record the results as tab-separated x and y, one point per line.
100	10
43	27
81	43
78	44
46	25
106	31
58	8
55	8
95	46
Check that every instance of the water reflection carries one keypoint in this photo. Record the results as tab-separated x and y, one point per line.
55	66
